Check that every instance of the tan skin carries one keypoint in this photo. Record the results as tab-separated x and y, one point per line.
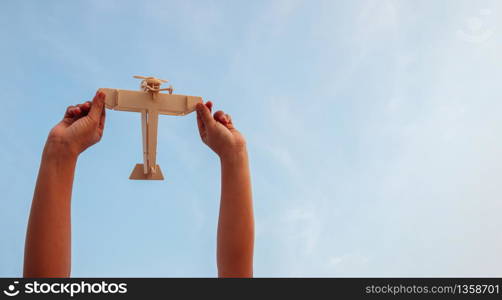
48	238
236	223
47	248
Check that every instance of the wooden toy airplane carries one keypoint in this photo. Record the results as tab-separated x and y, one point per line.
150	103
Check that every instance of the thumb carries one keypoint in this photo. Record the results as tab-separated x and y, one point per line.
98	104
205	114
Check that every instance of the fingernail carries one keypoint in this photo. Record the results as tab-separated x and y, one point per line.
224	119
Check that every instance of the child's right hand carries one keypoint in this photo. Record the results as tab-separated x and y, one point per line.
82	126
218	132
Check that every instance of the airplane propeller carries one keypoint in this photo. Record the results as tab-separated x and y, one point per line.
150	77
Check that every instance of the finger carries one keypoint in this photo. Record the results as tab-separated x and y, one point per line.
200	124
230	125
202	127
209	105
220	117
97	106
102	120
76	111
68	115
85	107
73	112
205	114
80	110
69	111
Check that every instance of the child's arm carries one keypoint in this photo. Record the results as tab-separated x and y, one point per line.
235	224
48	239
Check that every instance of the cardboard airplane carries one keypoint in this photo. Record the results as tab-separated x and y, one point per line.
150	102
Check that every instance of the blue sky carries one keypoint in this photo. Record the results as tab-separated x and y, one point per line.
373	130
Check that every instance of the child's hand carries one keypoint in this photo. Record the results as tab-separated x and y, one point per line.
82	126
218	131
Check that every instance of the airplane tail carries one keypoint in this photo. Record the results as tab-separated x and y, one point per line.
138	173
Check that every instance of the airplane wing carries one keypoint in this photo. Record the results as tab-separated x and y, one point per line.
139	101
